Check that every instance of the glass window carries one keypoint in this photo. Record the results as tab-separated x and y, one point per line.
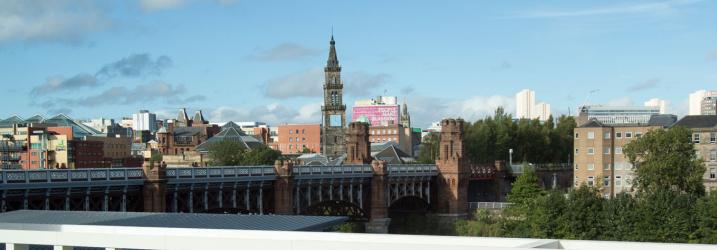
590	181
606	150
618	150
713	138
618	135
606	166
606	135
618	180
576	151
618	166
577	135
606	181
291	139
628	134
591	151
713	173
713	155
576	167
591	135
696	138
591	166
638	134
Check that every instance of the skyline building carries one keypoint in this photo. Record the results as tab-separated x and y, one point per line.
696	98
144	120
333	111
525	107
617	115
655	102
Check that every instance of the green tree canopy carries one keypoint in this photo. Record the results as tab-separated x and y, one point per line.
665	160
226	153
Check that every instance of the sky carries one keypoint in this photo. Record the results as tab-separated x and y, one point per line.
250	60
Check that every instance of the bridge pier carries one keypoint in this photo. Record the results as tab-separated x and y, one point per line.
379	220
453	172
284	188
154	189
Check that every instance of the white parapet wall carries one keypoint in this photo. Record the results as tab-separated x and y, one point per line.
19	236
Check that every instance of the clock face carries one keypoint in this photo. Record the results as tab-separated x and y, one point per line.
335	121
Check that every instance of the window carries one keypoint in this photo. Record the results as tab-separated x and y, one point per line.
713	138
606	135
713	155
618	181
606	150
35	145
291	131
591	151
618	166
297	131
591	135
577	135
606	166
713	173
591	181
618	135
576	151
618	150
291	139
606	181
696	138
303	131
303	139
591	166
638	134
576	167
628	134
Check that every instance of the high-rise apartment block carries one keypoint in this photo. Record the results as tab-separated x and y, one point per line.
654	102
144	120
525	107
699	102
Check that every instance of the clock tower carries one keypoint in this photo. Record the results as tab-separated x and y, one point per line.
333	111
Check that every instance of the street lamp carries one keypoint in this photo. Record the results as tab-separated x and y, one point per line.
510	157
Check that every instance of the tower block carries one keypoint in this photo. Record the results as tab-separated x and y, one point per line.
453	170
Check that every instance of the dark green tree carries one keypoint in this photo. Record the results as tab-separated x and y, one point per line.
706	211
665	160
226	153
582	219
621	216
547	215
262	155
428	152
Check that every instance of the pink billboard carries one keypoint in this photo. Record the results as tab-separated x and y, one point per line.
377	115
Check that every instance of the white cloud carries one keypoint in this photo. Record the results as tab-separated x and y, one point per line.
273	114
154	5
425	110
621	101
649	84
284	52
652	7
309	83
57	20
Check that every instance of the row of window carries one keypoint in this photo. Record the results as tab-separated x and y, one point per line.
696	138
607	166
711	157
606	181
618	135
384	131
291	131
297	139
606	150
384	139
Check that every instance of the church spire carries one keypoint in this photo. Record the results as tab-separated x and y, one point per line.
333	61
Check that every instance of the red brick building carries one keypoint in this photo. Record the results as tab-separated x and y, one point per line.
294	138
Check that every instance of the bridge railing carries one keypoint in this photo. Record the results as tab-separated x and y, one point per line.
488	205
331	170
220	172
70	175
412	169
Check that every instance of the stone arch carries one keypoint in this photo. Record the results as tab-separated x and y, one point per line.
409	203
338	208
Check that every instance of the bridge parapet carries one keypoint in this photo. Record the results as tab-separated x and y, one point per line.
412	170
70	177
221	174
328	172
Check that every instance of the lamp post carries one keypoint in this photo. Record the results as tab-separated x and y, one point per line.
510	157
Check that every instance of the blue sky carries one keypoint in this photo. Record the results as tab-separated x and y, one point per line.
262	60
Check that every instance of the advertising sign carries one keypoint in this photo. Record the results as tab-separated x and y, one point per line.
377	115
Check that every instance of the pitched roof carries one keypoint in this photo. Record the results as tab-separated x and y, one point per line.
593	123
698	121
35	119
232	134
662	120
187	131
392	155
78	129
12	120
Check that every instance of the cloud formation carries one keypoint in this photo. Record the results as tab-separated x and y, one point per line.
121	95
272	114
49	21
635	8
620	101
284	52
158	5
137	65
309	83
425	110
649	84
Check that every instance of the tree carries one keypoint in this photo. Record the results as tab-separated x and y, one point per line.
262	155
523	196
620	216
484	224
428	152
547	215
706	210
582	218
665	160
226	153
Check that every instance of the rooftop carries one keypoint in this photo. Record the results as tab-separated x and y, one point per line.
49	219
698	121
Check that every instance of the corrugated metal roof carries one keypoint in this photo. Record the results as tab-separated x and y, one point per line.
172	220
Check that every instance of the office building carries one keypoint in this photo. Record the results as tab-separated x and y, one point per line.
696	98
617	115
298	138
144	120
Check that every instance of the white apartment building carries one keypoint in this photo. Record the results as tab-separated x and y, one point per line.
696	99
144	120
525	107
655	102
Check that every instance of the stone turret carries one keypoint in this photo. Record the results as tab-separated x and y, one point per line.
358	145
454	170
283	186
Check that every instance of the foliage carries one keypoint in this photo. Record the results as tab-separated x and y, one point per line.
526	189
665	159
490	139
233	153
307	151
422	224
706	211
483	224
429	149
350	227
155	159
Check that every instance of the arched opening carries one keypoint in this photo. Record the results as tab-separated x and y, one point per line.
410	215
338	208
